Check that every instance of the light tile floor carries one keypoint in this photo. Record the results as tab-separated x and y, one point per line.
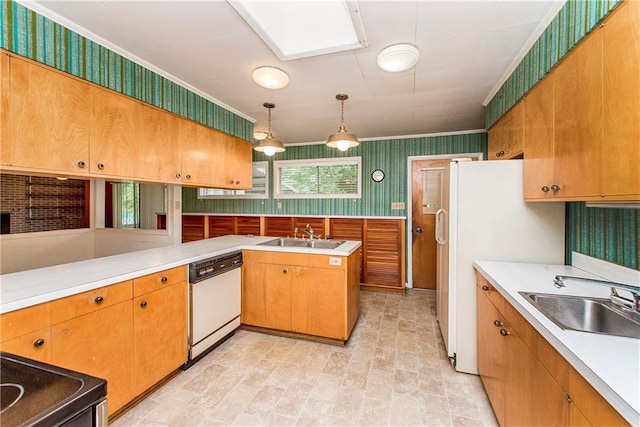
392	372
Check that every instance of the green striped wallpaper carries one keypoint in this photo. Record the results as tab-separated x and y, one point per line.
31	35
609	234
571	24
388	155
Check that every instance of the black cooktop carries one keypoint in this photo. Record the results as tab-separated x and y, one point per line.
38	394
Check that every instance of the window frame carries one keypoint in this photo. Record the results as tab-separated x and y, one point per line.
278	164
233	195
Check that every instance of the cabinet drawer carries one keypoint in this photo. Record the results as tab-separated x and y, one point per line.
161	279
34	345
294	259
86	302
487	289
20	322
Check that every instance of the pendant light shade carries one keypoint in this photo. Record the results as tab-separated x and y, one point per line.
342	140
269	146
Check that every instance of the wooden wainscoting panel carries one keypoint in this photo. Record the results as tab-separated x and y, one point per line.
248	225
192	228
316	223
383	252
278	226
221	225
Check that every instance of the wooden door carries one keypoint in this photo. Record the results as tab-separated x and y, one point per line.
621	101
161	159
160	334
538	141
99	344
117	146
318	301
48	119
384	249
425	202
578	120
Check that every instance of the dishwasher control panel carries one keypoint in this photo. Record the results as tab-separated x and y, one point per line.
209	267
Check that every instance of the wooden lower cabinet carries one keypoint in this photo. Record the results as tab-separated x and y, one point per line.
528	382
99	344
27	332
159	334
300	293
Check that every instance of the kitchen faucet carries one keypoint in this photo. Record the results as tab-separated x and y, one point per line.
634	304
309	232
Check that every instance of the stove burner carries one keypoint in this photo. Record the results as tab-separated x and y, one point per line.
10	393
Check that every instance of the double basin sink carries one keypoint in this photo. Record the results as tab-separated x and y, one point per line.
301	243
595	315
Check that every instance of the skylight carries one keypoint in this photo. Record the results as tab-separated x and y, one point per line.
299	29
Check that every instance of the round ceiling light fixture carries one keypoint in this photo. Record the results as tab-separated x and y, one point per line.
398	57
270	77
259	135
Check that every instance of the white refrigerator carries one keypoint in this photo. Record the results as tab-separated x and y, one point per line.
483	216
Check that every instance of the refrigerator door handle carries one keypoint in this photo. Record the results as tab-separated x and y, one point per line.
439	216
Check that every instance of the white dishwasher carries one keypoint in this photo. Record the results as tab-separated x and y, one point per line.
214	303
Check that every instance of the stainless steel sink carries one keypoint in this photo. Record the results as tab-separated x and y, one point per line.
316	244
596	315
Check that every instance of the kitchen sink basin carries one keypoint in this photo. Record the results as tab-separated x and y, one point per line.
595	315
316	244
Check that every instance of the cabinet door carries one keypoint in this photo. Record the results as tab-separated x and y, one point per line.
160	161
529	387
590	406
491	354
538	141
159	334
196	153
5	136
117	145
578	120
318	302
621	101
233	161
48	117
266	295
99	344
506	137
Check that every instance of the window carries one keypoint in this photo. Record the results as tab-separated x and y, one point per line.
259	188
319	178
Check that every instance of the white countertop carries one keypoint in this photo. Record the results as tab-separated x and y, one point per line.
609	363
27	288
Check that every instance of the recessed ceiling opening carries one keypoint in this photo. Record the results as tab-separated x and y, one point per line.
294	30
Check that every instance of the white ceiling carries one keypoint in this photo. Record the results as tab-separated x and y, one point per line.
466	49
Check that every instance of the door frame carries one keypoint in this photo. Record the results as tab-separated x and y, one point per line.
409	207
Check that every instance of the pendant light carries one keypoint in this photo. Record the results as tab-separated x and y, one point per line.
268	145
342	140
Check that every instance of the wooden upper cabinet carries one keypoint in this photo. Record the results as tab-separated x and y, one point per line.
116	135
538	141
45	118
233	161
196	153
506	137
161	158
5	140
578	120
621	102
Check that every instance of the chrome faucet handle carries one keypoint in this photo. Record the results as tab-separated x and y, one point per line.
558	282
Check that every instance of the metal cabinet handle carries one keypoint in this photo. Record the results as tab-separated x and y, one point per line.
143	304
164	279
545	189
38	343
500	153
100	166
555	187
99	300
485	288
497	323
230	181
178	175
237	182
285	270
81	164
419	230
188	176
504	332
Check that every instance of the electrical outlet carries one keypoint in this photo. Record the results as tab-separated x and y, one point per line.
397	205
279	204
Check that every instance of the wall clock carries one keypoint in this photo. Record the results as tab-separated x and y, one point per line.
377	175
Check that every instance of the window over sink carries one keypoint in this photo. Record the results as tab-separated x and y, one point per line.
318	178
